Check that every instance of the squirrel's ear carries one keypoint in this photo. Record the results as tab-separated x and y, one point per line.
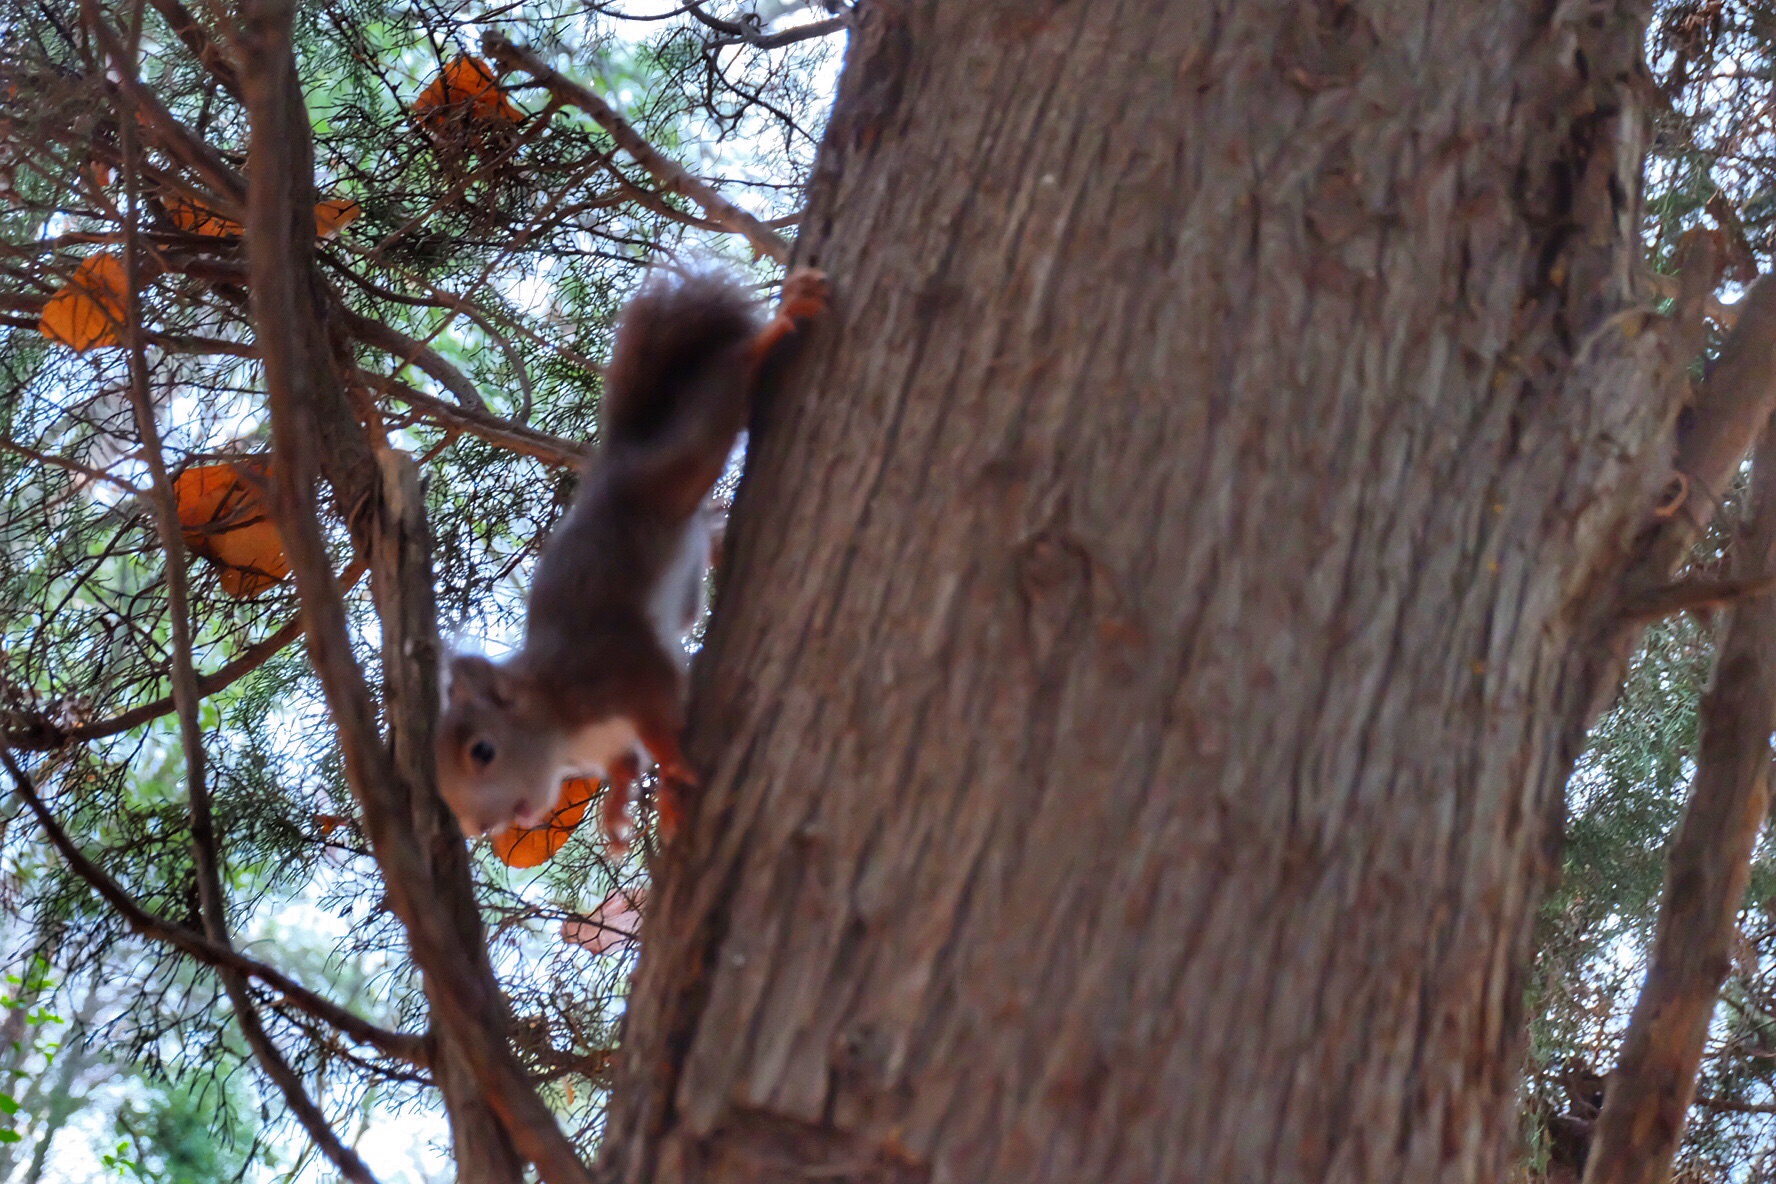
472	679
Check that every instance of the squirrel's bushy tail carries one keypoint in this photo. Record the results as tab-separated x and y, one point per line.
677	390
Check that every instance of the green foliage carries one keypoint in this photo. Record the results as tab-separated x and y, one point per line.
186	1134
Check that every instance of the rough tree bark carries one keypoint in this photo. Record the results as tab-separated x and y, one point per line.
1162	610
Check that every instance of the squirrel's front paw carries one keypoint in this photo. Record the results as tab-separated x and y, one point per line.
805	294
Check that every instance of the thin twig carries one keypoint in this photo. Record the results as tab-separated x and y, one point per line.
669	173
71	466
400	1045
212	903
425	871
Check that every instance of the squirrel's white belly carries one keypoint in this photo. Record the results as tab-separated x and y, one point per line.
591	751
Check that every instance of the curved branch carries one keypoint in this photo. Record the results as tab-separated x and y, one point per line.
669	173
400	1045
377	335
551	450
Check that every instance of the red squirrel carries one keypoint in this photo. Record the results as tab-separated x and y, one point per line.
598	684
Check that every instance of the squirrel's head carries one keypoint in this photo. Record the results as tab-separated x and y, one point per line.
498	756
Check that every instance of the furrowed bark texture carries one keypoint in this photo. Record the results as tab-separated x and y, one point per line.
1707	870
1149	656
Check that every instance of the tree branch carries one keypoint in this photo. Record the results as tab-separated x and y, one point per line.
1729	409
551	450
1725	315
171	136
40	736
1707	870
790	36
377	335
399	1045
416	844
70	466
1686	595
212	901
669	173
203	47
1731	1107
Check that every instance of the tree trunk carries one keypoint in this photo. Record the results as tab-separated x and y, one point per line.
1160	613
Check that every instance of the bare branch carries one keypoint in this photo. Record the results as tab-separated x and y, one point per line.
1687	595
669	173
790	36
513	437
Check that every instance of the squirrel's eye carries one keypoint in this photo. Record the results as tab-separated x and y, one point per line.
481	752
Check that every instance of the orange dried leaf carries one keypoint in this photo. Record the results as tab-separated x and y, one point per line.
88	309
328	823
331	216
225	522
195	218
530	846
334	215
465	84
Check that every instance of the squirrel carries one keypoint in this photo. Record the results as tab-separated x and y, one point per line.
598	684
